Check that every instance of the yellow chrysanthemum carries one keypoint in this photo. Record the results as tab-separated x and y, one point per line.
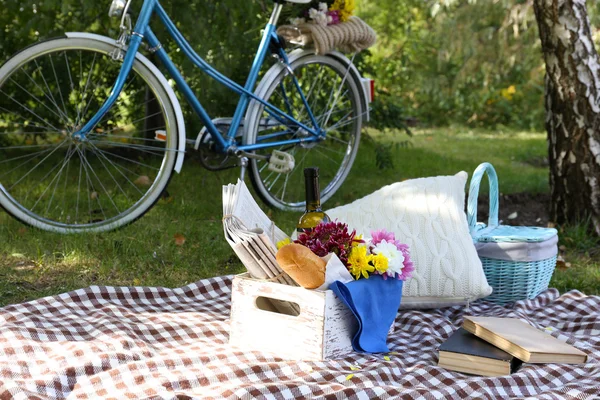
345	8
357	240
380	262
283	242
358	262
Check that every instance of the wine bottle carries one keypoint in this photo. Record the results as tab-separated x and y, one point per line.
313	215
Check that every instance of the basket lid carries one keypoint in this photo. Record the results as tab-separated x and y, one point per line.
506	233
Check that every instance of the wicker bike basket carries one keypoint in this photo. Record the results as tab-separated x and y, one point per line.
518	261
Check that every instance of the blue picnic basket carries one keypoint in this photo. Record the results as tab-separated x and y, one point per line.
518	261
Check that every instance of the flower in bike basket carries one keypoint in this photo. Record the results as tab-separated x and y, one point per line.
345	8
330	12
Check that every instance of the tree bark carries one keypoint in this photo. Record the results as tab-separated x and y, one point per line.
572	110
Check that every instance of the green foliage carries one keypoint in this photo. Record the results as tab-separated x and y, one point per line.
388	113
464	61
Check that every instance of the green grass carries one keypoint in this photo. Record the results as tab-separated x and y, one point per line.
35	263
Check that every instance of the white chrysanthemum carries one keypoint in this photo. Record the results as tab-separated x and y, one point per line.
394	256
323	7
320	19
297	21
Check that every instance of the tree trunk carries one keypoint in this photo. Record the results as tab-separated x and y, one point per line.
572	110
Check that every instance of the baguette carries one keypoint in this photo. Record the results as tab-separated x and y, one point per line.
302	265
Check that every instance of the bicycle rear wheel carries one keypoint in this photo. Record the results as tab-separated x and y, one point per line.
55	181
334	98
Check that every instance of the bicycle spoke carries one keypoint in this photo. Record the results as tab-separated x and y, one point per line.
129	160
100	135
120	170
301	162
50	98
64	164
320	151
321	117
36	99
281	192
274	181
337	96
79	191
83	95
58	86
140	148
344	122
65	188
34	186
101	185
89	184
28	109
31	157
37	165
312	106
20	124
46	84
111	175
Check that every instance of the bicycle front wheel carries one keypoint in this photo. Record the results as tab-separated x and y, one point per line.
55	181
333	96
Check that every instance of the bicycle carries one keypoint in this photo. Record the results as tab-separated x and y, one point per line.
91	131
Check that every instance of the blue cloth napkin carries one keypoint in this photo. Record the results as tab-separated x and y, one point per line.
374	302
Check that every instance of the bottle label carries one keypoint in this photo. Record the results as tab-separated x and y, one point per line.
304	230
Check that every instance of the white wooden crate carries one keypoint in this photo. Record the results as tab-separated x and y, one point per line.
322	330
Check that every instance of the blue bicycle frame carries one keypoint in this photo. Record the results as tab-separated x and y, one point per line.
142	31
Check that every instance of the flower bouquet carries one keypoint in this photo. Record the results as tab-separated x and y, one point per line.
328	12
379	266
328	25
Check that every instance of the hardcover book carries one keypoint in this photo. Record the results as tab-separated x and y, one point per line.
465	352
523	340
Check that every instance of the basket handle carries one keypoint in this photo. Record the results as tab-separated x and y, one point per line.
474	193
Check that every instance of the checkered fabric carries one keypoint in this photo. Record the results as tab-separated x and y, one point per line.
139	342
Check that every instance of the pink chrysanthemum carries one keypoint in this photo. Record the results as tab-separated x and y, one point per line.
382	234
409	267
335	17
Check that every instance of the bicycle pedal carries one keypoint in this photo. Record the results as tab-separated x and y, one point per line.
281	162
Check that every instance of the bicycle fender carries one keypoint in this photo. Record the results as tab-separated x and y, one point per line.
161	78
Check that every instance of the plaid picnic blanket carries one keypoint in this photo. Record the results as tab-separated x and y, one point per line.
141	342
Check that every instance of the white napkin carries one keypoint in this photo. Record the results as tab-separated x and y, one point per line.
334	271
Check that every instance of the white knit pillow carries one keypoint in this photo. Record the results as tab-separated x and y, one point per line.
428	215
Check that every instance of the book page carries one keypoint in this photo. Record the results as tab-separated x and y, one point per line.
247	210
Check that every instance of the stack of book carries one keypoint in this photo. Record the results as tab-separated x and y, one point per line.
492	346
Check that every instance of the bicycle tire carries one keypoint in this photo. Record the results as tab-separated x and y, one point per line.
48	90
330	76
